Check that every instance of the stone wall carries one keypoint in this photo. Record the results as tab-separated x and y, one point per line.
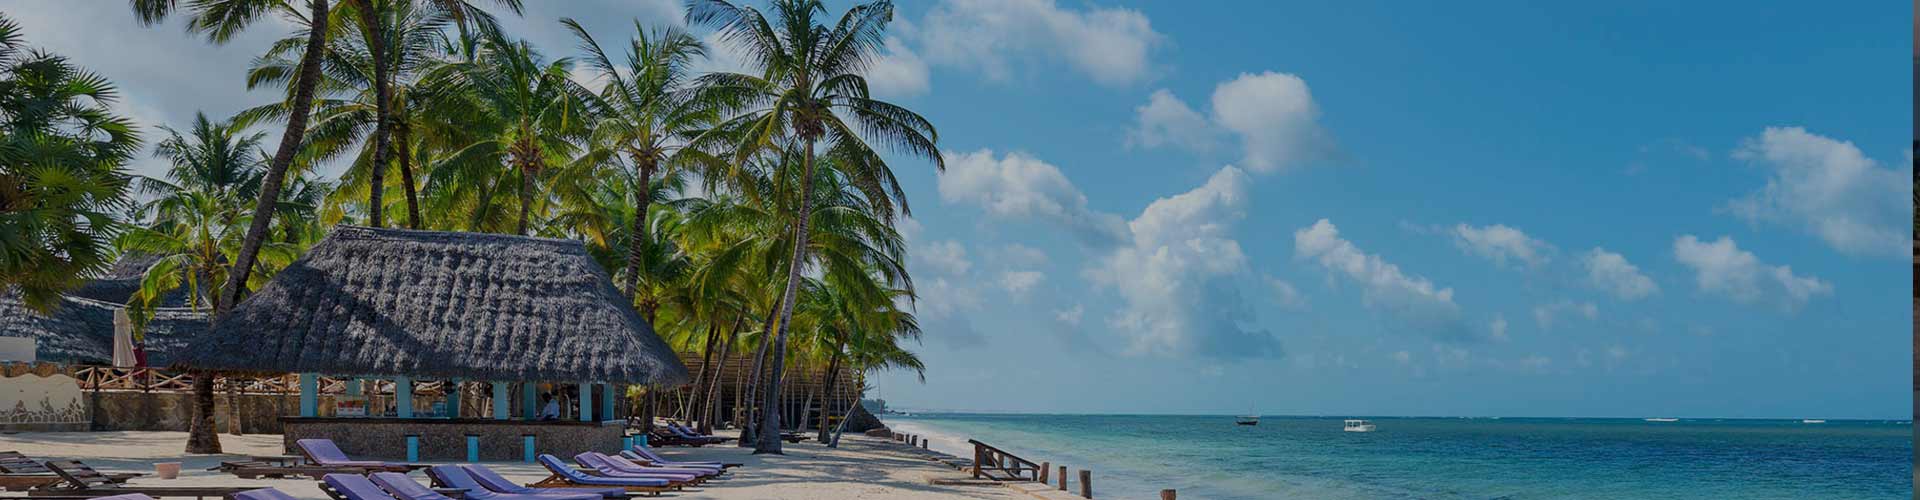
173	411
446	439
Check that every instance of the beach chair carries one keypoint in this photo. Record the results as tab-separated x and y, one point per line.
494	481
263	494
77	479
568	476
452	476
688	435
640	452
622	462
606	466
352	487
323	452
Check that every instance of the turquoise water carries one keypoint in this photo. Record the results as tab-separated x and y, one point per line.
1207	457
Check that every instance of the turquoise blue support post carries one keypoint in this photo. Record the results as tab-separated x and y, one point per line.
530	400
403	397
586	401
527	442
353	387
309	395
606	401
413	448
500	401
643	441
473	448
626	442
453	397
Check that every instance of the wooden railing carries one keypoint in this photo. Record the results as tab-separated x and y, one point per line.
102	378
996	464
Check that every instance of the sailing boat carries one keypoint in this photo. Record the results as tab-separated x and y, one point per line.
1248	419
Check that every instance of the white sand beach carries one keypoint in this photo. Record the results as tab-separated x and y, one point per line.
862	468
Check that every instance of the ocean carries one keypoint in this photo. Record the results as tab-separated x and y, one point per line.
1208	457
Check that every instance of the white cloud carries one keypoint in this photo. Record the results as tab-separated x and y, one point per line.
1382	283
1110	45
1610	272
1502	245
945	309
1018	283
1545	314
1018	255
898	71
1536	362
1722	268
1177	277
1275	118
1828	188
1019	186
1165	120
1286	294
1497	329
945	256
1071	316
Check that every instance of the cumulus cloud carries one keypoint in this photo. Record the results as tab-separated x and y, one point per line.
1070	316
1018	255
1828	188
898	71
1286	294
1109	44
1721	268
945	309
1610	272
1272	114
1176	278
1502	244
1545	314
1018	186
1383	284
945	256
1018	283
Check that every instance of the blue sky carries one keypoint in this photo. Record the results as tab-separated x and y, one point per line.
1630	209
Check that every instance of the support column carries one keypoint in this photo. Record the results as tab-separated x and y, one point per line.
530	400
499	400
606	401
453	397
309	394
403	397
586	401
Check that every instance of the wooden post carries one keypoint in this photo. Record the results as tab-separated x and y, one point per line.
977	456
1063	478
1045	467
1086	483
1168	495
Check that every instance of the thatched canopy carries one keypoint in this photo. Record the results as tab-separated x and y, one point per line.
385	302
81	330
120	281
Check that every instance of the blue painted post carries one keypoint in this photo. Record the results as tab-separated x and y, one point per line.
643	440
626	442
586	401
473	448
413	448
353	387
453	397
309	394
403	397
499	400
606	401
527	442
530	400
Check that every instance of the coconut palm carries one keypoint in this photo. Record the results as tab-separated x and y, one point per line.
810	93
62	152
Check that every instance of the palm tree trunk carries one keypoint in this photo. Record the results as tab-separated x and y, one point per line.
376	49
526	197
826	405
706	362
770	424
749	426
711	413
636	239
403	137
201	437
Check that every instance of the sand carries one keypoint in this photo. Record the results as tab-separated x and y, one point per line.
862	468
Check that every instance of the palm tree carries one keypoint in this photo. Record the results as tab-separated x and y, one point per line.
811	92
644	114
62	153
197	211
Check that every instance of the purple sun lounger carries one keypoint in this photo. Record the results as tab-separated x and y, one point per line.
624	465
452	476
601	465
640	452
494	481
354	487
563	475
324	452
261	494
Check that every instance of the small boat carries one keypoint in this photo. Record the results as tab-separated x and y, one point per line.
1247	420
1661	419
1359	426
1812	421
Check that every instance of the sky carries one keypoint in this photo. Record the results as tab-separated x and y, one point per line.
1497	208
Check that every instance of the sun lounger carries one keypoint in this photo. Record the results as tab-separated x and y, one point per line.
77	479
639	452
263	494
352	487
20	473
606	466
622	462
491	480
688	434
564	475
452	476
324	452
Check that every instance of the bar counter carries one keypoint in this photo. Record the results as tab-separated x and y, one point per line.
445	439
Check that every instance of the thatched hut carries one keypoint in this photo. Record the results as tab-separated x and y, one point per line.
80	331
406	304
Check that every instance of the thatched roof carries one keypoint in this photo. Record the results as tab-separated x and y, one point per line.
384	302
120	281
81	330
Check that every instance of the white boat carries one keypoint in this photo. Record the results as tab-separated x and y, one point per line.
1247	420
1812	421
1359	426
1661	419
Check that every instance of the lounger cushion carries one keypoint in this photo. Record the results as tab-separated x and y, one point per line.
263	494
554	465
325	452
494	481
642	453
355	487
599	463
455	477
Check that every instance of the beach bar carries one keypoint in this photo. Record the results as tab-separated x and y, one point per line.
494	325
